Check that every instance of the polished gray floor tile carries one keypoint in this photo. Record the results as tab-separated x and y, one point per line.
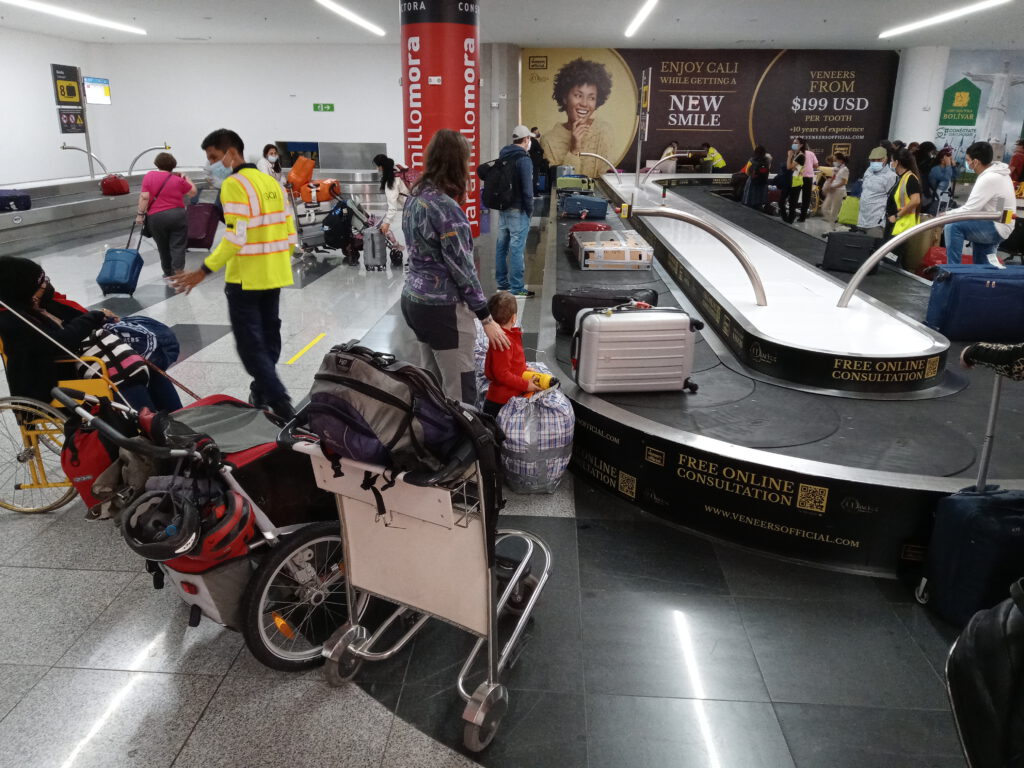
74	542
851	653
561	503
559	534
17	530
145	629
593	502
646	556
666	645
193	337
933	636
856	737
290	723
753	575
666	733
15	681
409	747
103	719
46	610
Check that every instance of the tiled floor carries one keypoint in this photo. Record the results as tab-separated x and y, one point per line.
650	647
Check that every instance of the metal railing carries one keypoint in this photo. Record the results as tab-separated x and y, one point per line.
131	165
728	242
90	154
902	237
618	179
664	159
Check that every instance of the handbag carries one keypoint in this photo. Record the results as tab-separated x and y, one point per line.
124	364
146	232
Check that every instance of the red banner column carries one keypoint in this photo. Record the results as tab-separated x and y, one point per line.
441	81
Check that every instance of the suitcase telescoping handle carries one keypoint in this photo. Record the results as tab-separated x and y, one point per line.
990	429
128	246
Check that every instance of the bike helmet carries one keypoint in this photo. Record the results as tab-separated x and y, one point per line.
161	525
228	525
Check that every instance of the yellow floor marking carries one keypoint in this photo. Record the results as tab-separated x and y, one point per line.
306	349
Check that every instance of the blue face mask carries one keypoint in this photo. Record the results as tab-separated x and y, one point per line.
876	165
794	146
220	171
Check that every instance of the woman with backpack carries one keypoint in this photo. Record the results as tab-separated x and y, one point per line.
397	192
442	292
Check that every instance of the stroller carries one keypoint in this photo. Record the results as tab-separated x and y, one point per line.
234	521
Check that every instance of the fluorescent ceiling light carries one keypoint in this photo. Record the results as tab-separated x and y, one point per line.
642	14
345	13
943	17
64	13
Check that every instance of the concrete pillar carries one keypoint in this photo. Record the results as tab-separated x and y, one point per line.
441	82
499	97
918	99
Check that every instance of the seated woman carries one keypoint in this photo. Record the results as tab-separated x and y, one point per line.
33	366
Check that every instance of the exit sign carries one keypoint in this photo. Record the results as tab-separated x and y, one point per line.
323	107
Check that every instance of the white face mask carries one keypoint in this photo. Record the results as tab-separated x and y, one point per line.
272	158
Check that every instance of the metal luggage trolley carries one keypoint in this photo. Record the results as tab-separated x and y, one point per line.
423	543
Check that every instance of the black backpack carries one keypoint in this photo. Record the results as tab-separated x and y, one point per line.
500	188
337	226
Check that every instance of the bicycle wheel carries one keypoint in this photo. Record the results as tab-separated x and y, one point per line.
31	438
297	598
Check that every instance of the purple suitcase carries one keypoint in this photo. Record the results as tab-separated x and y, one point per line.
203	219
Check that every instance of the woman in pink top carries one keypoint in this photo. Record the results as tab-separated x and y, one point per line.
810	166
163	198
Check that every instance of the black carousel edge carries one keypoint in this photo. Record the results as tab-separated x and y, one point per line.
888	377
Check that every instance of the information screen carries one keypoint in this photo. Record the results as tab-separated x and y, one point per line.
97	90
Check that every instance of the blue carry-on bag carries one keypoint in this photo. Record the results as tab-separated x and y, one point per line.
977	545
121	268
584	207
977	302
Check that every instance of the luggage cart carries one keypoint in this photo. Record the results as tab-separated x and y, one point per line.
423	544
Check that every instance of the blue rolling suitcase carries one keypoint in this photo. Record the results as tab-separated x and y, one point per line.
977	545
977	302
584	207
14	200
121	268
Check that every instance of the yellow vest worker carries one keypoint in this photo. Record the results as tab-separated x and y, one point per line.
256	252
714	157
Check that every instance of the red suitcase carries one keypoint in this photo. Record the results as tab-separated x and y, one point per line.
203	219
113	185
936	256
585	226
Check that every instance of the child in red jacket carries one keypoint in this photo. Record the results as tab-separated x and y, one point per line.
504	369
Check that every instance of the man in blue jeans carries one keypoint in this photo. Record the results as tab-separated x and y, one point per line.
993	192
515	222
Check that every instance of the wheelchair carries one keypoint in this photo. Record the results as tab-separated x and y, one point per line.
31	439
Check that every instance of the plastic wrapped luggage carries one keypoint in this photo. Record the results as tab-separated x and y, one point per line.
565	307
121	268
977	302
632	349
375	249
14	200
203	220
557	171
574	182
584	207
846	251
538	439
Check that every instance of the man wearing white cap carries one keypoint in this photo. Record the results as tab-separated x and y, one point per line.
515	220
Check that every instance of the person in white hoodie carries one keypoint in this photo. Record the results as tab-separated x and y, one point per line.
993	192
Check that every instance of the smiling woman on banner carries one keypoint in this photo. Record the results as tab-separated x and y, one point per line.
580	88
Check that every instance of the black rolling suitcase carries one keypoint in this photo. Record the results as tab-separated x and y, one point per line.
565	306
977	545
846	251
985	683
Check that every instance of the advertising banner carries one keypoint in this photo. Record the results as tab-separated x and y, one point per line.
584	100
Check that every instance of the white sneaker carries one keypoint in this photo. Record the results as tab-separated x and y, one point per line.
995	262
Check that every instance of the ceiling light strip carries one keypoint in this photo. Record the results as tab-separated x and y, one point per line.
943	17
640	17
69	15
355	18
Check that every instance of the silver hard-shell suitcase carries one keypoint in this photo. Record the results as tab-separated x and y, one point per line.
634	349
375	249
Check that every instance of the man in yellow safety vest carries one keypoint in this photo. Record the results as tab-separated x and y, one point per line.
714	157
256	251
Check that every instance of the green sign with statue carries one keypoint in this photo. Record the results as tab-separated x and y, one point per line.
960	103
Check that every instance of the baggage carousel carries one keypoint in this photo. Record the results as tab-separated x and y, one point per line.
839	472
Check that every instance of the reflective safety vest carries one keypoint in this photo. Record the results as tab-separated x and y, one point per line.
257	247
715	157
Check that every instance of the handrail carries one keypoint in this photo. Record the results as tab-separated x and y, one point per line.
611	165
902	237
131	165
728	242
90	154
670	157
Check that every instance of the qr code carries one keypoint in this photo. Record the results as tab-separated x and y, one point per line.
812	498
932	368
627	484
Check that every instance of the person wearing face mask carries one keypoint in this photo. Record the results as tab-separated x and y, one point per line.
256	253
876	183
992	192
903	200
270	163
510	253
396	192
940	179
809	167
580	88
835	189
